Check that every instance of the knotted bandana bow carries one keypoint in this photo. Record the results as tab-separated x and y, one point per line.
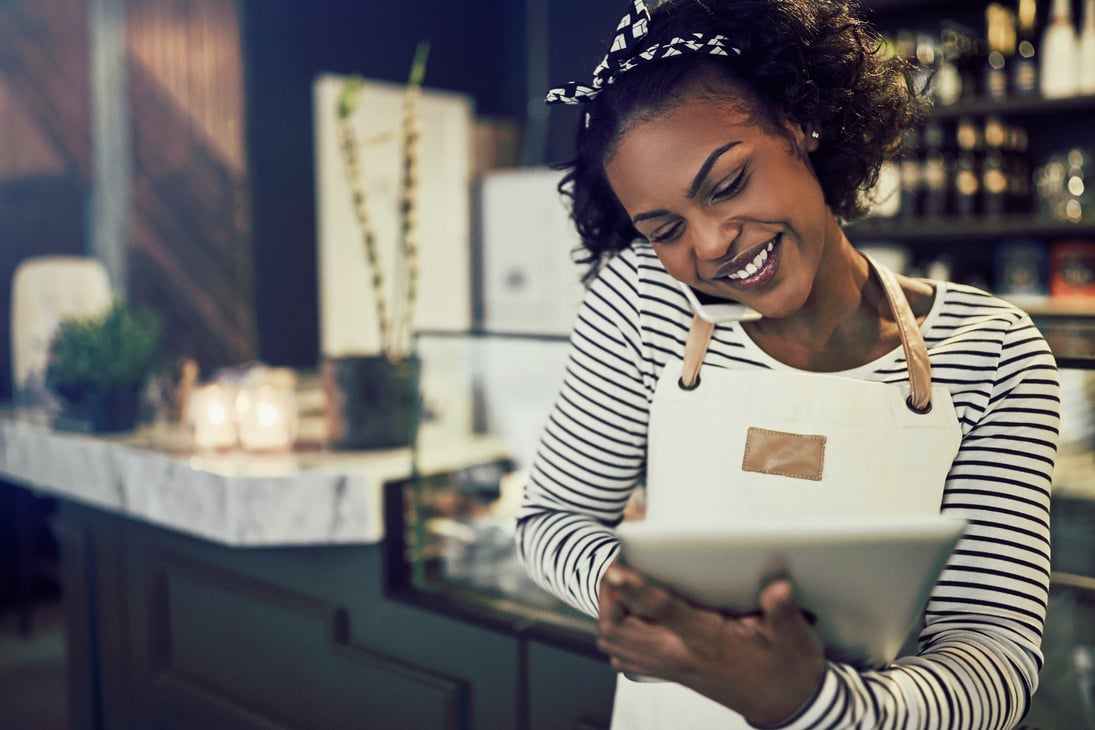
628	51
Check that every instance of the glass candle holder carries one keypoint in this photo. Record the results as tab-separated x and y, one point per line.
266	410
213	417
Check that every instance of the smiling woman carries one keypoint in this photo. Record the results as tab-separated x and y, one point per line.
724	145
725	201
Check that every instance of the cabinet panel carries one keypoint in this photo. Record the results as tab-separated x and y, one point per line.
568	691
233	647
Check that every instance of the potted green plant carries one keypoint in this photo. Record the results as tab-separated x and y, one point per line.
371	397
98	365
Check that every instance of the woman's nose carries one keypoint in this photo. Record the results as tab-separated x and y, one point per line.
714	238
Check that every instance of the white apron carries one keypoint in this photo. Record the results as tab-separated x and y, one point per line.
745	446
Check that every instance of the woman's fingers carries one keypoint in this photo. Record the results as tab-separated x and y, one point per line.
609	608
640	598
785	618
777	601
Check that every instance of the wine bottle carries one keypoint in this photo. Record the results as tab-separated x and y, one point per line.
933	172
1024	66
1017	169
1086	70
910	175
947	82
971	64
905	46
967	179
996	34
1059	53
994	182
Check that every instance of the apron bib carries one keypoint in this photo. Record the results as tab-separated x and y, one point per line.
748	446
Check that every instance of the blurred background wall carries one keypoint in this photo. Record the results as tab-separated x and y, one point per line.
213	191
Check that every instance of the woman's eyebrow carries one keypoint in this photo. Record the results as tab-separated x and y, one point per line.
705	168
649	214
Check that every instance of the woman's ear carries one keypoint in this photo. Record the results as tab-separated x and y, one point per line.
811	137
805	136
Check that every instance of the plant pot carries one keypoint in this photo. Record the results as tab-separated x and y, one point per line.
371	401
100	410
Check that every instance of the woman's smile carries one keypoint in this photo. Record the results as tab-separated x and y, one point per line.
754	268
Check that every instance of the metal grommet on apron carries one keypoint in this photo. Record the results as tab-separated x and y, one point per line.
744	446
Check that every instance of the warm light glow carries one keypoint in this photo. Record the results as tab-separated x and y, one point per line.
218	414
266	410
212	415
268	414
258	412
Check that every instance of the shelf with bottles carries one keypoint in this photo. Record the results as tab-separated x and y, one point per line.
1014	51
1023	107
969	230
975	179
1013	87
975	57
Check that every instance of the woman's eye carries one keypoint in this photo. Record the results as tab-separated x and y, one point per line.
664	235
729	187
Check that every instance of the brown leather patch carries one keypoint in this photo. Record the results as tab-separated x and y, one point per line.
801	456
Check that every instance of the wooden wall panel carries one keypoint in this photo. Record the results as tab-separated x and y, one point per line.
191	252
44	140
45	88
27	150
192	48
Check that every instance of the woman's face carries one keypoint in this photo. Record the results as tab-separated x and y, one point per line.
731	205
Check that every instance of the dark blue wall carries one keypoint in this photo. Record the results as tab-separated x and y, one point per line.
488	49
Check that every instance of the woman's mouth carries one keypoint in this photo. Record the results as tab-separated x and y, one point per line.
756	268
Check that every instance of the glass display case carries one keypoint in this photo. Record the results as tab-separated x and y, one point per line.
451	535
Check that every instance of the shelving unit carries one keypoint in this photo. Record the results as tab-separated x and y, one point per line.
971	230
1052	125
1018	108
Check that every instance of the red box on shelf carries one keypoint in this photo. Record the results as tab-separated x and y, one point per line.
1072	269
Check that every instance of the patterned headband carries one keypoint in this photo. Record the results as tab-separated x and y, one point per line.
628	51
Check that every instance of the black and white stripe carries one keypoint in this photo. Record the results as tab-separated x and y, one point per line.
979	654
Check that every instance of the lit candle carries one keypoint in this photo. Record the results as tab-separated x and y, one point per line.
212	414
266	410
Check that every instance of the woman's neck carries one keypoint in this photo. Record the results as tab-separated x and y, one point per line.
845	322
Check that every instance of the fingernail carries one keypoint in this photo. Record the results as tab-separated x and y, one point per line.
614	578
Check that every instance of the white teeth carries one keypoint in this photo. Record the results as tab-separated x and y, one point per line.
754	266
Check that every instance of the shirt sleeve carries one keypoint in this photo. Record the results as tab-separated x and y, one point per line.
979	650
592	450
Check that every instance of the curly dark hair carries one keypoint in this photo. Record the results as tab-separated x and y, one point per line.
815	60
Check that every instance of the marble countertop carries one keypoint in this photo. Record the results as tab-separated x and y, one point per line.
307	497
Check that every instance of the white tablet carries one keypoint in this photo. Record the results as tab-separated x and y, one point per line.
865	580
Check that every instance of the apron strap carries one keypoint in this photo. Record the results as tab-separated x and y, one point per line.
695	347
912	342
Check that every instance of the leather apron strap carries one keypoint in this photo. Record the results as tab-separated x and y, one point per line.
695	347
912	341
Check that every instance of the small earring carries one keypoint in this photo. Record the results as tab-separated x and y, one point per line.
815	134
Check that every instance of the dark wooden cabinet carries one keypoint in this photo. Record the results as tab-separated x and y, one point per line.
566	690
168	631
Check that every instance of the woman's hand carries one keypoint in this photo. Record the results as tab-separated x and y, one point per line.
763	666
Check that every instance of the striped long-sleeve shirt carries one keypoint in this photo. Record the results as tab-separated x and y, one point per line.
979	652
